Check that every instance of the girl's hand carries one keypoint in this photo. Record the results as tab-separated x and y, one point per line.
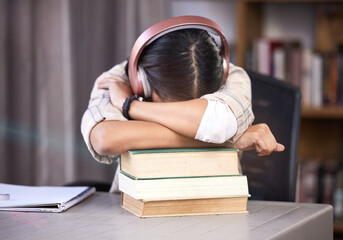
119	91
260	138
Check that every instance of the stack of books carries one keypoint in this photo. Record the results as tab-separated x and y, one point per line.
176	182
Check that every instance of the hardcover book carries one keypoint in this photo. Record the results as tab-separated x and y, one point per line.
181	162
184	188
206	206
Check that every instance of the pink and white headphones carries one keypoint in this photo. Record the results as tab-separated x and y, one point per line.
139	83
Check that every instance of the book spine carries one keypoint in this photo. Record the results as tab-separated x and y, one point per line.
326	78
306	77
340	76
296	66
308	191
333	80
316	77
279	63
263	57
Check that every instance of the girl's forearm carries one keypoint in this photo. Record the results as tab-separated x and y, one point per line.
181	117
116	137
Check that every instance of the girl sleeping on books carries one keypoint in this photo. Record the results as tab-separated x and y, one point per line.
186	102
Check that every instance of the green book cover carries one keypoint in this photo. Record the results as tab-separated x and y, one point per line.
135	178
174	150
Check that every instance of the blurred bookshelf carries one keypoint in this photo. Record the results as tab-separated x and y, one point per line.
321	132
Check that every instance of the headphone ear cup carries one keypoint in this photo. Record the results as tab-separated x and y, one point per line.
145	83
138	81
225	70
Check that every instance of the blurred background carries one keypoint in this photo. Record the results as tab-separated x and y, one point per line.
51	52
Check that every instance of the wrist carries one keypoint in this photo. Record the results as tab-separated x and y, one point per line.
127	104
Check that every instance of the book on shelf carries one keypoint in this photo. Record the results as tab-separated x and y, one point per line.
318	74
279	58
326	75
279	63
41	198
340	75
316	98
184	188
307	191
316	181
182	162
305	84
333	78
286	62
295	67
326	182
328	78
265	51
183	207
337	200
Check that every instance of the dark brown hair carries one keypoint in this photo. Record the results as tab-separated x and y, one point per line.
183	65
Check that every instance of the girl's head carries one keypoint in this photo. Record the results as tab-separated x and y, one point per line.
179	58
182	65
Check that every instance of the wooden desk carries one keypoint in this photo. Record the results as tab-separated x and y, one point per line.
101	217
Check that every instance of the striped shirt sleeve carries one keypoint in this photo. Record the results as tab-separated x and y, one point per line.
236	93
100	109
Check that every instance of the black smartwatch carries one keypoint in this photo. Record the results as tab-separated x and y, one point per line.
127	104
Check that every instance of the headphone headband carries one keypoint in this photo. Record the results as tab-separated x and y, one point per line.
170	25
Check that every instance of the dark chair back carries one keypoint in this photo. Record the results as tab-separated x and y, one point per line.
278	104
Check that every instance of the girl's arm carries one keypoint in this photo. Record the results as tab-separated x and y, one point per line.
182	117
116	137
233	101
101	109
